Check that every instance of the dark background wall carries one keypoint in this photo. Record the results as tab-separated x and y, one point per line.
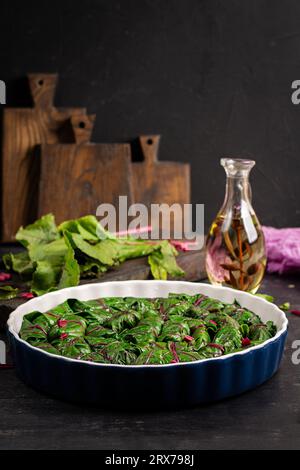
213	77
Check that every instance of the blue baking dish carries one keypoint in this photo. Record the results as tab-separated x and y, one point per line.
140	386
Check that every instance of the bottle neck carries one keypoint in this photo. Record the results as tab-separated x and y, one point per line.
238	195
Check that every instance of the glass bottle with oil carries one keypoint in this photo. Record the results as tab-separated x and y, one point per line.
235	247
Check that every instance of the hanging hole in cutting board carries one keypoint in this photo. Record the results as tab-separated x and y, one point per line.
81	125
41	82
150	141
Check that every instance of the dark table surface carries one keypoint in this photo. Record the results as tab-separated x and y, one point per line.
265	418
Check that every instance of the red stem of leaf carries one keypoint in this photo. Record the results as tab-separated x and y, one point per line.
295	312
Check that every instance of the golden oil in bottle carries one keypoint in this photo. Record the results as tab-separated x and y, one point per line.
235	247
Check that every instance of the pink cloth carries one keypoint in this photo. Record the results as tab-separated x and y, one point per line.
283	249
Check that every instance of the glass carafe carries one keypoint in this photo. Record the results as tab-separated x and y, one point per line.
235	247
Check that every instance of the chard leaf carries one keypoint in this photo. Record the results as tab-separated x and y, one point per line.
261	332
201	337
152	322
91	268
157	269
33	333
129	249
44	230
210	350
104	251
90	224
49	348
210	305
184	353
96	332
46	319
94	356
88	227
120	352
140	334
123	319
91	310
74	347
70	271
8	292
228	337
49	260
175	306
20	262
45	278
54	252
156	353
74	226
70	326
61	309
33	316
174	330
162	262
56	266
245	330
244	316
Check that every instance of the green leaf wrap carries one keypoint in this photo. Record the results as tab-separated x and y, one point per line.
131	331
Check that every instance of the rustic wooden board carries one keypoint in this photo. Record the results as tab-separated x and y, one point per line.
23	130
192	262
156	182
76	178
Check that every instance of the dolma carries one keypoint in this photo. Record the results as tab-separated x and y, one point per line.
139	331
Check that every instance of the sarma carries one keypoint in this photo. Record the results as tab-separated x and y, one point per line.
138	331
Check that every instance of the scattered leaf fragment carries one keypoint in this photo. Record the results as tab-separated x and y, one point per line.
267	297
295	312
285	306
8	292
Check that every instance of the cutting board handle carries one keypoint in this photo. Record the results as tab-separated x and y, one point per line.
82	125
150	145
42	87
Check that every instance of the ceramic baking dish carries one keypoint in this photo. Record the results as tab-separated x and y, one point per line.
147	385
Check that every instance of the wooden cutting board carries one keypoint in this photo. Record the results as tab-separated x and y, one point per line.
23	130
156	182
76	178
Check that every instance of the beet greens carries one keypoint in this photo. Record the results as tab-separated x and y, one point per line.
59	256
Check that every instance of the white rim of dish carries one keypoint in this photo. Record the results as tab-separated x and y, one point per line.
279	333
